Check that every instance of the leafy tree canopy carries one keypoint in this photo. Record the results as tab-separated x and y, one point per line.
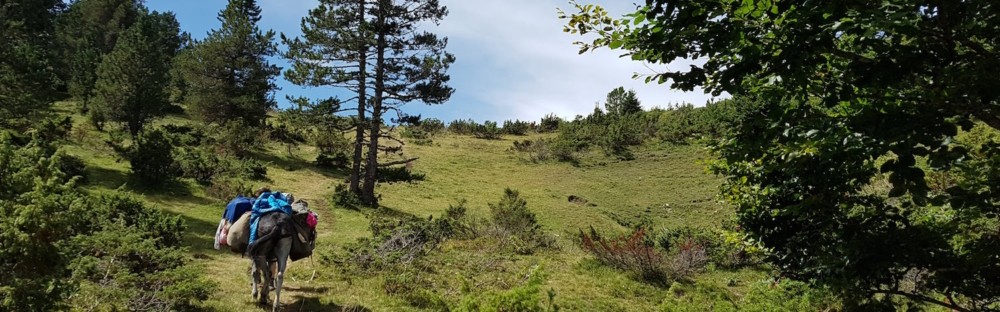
850	96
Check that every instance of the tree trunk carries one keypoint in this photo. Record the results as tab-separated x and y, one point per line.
371	169
359	137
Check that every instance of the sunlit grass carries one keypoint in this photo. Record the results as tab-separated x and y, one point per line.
665	185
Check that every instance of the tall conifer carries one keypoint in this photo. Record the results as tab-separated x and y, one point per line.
227	75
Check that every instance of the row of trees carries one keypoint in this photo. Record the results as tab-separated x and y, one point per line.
848	97
126	66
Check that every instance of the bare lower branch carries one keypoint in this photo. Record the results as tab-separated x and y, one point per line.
398	162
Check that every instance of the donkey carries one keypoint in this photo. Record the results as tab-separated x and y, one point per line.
273	243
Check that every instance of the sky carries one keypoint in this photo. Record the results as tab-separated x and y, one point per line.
513	59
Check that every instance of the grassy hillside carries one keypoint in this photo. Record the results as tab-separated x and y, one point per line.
665	185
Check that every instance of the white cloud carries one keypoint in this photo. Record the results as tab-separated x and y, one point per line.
514	61
513	56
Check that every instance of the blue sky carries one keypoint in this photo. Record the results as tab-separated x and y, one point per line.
513	60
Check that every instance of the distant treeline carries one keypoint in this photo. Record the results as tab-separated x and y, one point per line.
620	125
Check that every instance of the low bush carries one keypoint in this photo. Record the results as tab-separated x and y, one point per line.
399	174
338	160
635	253
517	127
549	123
462	126
488	130
534	151
516	226
343	197
204	166
527	297
152	158
73	166
224	188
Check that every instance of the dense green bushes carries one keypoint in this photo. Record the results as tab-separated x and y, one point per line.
106	252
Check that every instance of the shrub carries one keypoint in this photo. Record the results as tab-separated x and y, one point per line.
516	226
398	174
394	241
432	126
462	126
338	160
517	127
488	130
200	164
246	168
236	139
634	253
549	123
343	197
526	297
152	158
224	188
534	151
73	166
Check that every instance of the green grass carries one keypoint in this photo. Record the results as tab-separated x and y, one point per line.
666	185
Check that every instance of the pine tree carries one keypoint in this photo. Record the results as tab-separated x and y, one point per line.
373	49
334	51
87	32
621	103
26	42
410	66
228	75
131	80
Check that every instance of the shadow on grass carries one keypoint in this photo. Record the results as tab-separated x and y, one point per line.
314	304
199	236
105	177
295	163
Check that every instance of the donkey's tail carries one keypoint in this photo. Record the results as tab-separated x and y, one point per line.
252	249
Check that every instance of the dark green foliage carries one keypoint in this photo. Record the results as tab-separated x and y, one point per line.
34	218
344	198
397	240
621	103
105	252
462	126
131	79
398	174
488	130
88	31
228	76
225	188
549	123
26	59
516	226
335	161
803	166
132	259
517	127
73	167
235	138
152	158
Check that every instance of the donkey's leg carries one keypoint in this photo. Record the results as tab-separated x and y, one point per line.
260	262
281	251
254	279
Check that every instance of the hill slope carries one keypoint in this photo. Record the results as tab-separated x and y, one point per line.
665	185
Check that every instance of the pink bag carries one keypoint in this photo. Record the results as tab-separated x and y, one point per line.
312	220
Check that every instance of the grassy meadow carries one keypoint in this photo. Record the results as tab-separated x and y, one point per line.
666	186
